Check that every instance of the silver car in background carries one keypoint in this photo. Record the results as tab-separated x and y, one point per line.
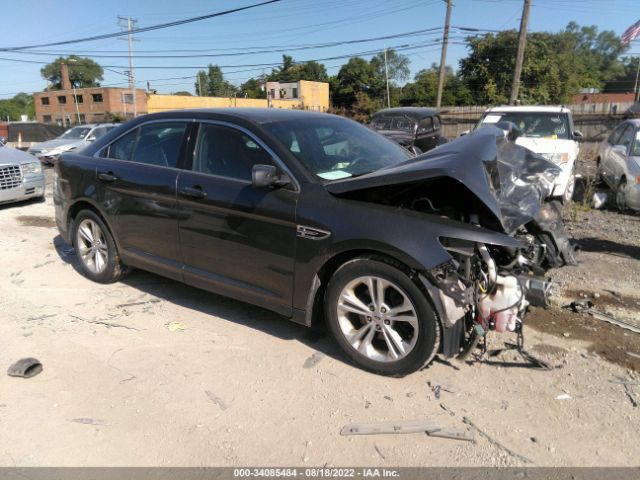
619	164
75	138
21	176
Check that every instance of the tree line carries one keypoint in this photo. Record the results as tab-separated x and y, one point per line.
556	66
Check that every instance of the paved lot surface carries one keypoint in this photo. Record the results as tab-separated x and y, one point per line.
150	372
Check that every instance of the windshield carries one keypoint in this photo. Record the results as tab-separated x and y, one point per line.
76	133
393	122
334	148
532	124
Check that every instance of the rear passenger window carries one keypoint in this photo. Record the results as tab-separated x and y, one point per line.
227	152
160	144
626	137
122	149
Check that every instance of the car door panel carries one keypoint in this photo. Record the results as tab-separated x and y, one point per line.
138	195
238	240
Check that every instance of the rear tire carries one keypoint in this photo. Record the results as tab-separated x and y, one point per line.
95	248
380	318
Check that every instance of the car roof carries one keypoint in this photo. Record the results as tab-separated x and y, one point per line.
530	109
256	115
418	112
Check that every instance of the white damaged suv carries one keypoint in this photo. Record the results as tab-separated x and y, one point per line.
547	131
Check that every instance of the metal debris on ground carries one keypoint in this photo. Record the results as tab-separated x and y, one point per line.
25	368
411	426
216	399
495	442
564	396
628	390
599	200
403	426
586	306
453	434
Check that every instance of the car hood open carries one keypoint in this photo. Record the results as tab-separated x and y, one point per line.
510	180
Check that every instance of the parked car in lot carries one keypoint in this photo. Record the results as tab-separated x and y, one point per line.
313	215
73	139
619	164
548	131
417	129
21	176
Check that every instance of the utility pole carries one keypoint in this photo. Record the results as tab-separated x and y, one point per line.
128	23
386	76
635	86
443	55
522	40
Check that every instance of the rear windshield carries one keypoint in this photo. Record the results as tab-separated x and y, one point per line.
393	122
76	133
532	124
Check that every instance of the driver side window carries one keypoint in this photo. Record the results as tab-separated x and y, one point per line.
626	137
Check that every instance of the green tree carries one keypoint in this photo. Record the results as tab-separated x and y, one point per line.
13	108
83	72
356	76
252	88
625	81
211	83
292	72
556	65
183	93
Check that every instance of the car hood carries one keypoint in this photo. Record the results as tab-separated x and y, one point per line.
58	142
547	145
510	180
13	156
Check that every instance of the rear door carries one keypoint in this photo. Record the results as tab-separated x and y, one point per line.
619	153
607	159
137	183
236	239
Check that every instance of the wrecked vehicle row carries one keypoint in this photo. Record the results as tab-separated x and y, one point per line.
318	218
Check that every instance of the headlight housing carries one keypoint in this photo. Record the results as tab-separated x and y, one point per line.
32	168
557	158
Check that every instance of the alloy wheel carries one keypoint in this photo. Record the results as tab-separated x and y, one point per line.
92	246
377	318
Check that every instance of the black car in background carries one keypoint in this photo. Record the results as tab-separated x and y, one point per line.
310	215
418	129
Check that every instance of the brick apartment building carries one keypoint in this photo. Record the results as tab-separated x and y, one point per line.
86	105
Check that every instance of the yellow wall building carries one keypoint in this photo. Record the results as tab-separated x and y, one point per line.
309	96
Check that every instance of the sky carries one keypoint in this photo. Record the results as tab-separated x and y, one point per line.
248	42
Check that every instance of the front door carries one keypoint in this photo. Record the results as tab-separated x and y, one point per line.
137	183
236	239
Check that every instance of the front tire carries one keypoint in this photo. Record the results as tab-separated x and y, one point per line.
380	318
96	249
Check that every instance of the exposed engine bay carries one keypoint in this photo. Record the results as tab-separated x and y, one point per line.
485	180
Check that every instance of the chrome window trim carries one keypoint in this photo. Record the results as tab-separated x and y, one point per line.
276	159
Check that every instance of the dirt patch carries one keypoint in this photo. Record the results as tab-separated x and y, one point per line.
607	341
36	221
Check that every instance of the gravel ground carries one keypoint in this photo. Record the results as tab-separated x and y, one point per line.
149	372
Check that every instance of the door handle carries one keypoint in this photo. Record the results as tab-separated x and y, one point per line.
194	192
107	177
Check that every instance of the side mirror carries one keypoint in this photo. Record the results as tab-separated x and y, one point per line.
267	176
620	149
577	134
3	141
91	138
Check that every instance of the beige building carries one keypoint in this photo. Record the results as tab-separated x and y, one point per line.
302	95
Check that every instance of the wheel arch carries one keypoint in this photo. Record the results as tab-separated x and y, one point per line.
315	300
85	204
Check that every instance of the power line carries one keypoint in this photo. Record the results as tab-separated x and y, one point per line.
140	30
